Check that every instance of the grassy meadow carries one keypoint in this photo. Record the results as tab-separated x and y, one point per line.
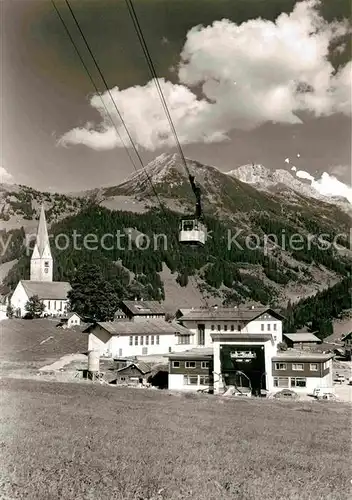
85	441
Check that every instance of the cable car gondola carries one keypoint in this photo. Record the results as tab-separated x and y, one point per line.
192	230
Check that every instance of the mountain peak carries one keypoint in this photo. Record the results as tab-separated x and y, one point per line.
264	179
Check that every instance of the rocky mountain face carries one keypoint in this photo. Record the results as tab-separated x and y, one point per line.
283	181
250	199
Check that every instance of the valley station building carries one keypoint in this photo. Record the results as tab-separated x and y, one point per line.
235	343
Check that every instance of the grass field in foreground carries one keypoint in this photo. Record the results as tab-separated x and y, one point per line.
77	441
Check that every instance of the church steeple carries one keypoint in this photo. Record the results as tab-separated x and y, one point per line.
42	261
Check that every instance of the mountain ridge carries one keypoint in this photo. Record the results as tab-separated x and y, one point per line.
229	205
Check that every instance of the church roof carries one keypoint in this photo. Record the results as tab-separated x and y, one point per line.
50	290
42	241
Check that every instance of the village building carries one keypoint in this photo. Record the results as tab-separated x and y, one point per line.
347	344
204	323
119	314
53	294
301	371
134	338
302	340
72	320
139	310
244	353
191	370
134	373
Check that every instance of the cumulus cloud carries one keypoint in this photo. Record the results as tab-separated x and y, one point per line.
5	176
327	185
248	74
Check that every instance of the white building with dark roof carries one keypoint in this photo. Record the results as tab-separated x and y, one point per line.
52	293
134	338
204	323
238	348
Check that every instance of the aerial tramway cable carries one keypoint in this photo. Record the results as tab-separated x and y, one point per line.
109	93
138	29
93	83
116	108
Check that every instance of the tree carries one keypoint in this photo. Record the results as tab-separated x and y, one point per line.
92	296
34	307
10	312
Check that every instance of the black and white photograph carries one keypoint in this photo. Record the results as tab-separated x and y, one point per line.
176	250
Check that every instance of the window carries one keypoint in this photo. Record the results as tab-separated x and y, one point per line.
232	328
205	364
275	338
298	382
280	366
281	382
275	327
313	367
201	337
190	364
120	353
144	351
142	340
157	340
225	328
55	304
131	340
262	327
48	304
46	263
152	340
297	367
219	328
136	340
268	327
239	328
212	328
203	380
184	339
190	380
175	364
147	340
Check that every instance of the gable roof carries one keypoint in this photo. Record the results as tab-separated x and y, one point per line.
142	307
140	365
346	336
302	337
119	312
228	314
147	327
50	290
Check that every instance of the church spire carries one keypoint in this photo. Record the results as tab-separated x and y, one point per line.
42	261
42	241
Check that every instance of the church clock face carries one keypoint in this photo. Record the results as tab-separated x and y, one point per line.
46	270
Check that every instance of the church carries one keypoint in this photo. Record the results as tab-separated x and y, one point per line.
52	293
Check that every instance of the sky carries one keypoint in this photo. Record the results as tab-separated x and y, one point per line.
232	72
